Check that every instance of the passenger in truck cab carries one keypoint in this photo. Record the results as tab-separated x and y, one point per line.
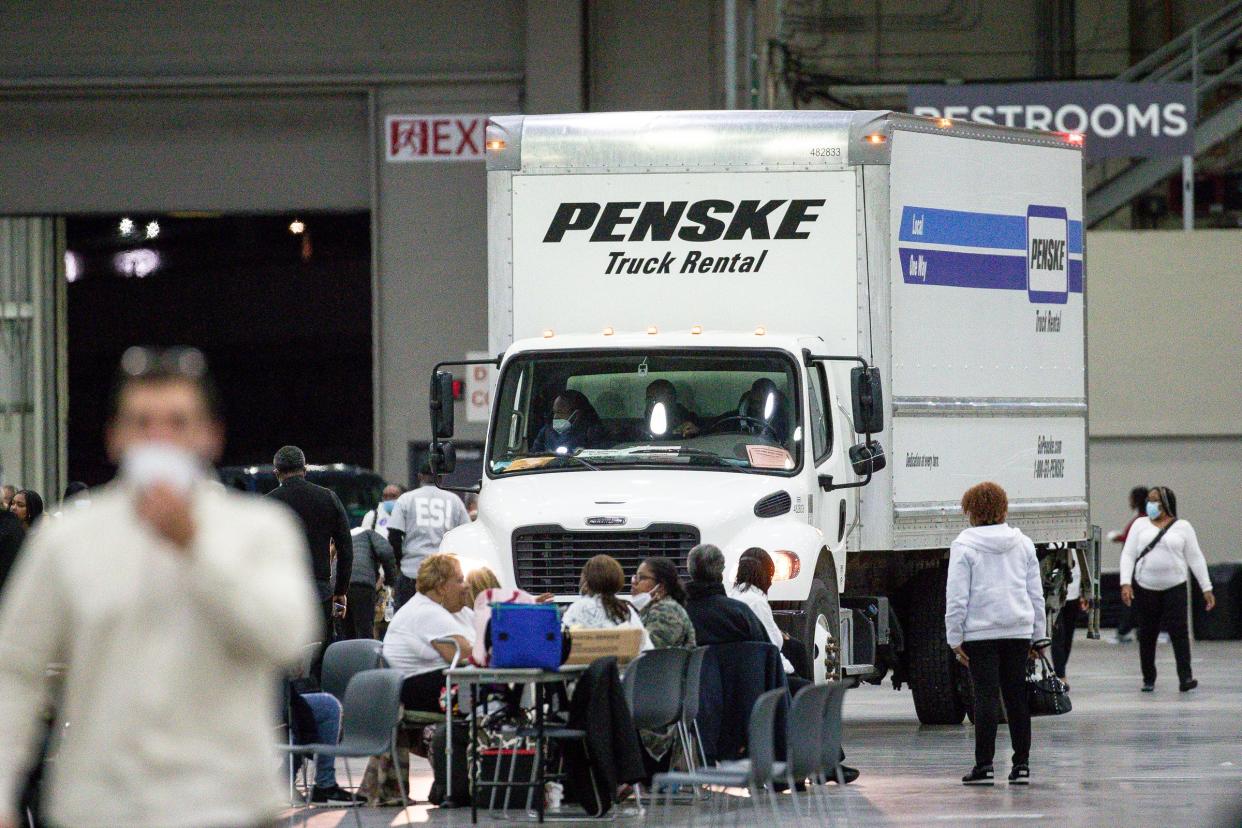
663	416
764	410
574	425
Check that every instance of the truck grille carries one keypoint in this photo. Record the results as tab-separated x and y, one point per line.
550	558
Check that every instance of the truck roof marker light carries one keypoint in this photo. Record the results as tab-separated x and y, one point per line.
652	330
760	331
609	331
875	138
696	330
495	144
1075	138
944	123
548	333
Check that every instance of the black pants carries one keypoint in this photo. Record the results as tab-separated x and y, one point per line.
998	669
1156	610
405	590
422	692
329	635
1063	635
359	612
795	651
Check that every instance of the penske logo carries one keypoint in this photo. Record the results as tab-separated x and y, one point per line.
708	220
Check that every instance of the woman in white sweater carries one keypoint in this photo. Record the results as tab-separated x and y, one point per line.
994	618
1159	551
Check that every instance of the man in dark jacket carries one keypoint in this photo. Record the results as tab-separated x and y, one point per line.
11	536
325	524
717	618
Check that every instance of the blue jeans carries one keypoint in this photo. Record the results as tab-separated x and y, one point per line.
327	712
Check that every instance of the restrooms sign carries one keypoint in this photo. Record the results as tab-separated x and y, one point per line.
1119	119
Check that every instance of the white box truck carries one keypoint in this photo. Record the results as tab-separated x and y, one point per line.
704	318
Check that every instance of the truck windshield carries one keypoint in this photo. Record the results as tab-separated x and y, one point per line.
734	410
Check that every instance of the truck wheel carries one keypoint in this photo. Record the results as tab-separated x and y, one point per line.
934	680
823	630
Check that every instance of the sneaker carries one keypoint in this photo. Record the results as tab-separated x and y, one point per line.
1020	775
1186	686
979	776
336	795
1149	686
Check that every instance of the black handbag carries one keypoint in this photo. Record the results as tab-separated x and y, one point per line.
1046	695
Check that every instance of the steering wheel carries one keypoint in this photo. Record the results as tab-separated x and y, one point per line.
763	425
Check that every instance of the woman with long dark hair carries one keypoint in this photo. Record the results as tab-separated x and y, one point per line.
657	593
1160	551
28	506
599	607
755	571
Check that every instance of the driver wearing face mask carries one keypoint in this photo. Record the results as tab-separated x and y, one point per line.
571	428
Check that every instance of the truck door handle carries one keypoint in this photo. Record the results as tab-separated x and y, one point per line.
840	521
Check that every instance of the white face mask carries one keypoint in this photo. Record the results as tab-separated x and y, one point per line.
147	464
640	600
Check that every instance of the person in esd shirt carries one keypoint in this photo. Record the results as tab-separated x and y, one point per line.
174	606
419	521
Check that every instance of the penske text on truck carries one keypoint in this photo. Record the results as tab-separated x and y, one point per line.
807	332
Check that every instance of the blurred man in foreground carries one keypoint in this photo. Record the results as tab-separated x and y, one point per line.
173	606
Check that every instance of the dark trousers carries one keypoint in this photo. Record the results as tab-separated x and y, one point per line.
405	590
423	691
795	651
1063	635
998	670
329	635
359	612
1156	610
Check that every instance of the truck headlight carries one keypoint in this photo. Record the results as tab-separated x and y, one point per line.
787	565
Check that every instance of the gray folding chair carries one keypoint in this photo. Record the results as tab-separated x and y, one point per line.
343	659
689	724
654	685
370	715
755	774
804	736
418	718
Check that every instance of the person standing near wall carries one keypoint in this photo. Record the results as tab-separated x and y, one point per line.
1138	508
1160	551
372	554
994	620
1067	621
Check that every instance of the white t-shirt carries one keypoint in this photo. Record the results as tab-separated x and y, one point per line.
588	613
377	519
407	644
424	515
758	603
1166	565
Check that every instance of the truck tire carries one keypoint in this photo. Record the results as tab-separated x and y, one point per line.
822	629
934	680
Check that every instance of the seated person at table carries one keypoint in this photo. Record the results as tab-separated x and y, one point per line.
755	570
316	718
717	618
599	607
410	643
574	425
663	416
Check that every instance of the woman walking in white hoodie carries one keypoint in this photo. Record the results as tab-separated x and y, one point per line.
994	618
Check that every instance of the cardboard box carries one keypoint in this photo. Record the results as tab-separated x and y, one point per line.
588	645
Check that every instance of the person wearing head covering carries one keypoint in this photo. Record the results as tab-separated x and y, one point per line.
1160	550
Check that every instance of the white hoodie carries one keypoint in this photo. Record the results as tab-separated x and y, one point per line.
994	588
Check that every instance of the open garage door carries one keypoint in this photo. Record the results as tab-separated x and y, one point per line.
32	355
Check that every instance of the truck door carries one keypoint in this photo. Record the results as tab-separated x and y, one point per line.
833	511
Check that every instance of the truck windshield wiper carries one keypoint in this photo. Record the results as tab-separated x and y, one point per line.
681	451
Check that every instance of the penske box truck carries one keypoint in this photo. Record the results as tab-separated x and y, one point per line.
807	332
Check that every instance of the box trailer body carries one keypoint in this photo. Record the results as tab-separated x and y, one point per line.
780	251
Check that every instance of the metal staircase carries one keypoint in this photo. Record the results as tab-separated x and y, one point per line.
1208	55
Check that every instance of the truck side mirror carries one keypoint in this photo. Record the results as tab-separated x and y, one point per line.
442	404
867	458
442	458
868	400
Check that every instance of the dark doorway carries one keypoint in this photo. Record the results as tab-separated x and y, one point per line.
281	306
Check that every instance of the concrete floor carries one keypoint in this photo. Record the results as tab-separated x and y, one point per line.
1120	758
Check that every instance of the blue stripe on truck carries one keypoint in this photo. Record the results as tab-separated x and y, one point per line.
931	225
951	268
